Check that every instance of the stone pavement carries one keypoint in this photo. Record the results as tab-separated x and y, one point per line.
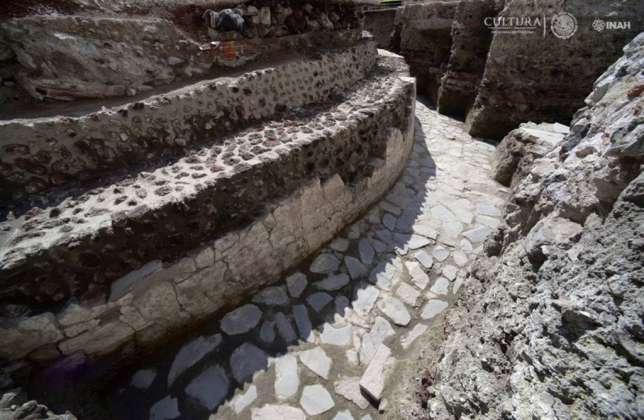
324	342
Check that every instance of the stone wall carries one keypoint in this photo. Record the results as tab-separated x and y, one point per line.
424	37
162	296
470	44
42	153
539	78
380	22
498	80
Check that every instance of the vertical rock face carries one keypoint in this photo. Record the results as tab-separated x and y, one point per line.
540	77
499	79
470	43
425	38
550	323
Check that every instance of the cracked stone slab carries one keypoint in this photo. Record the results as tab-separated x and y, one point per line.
349	388
424	258
316	360
380	333
375	377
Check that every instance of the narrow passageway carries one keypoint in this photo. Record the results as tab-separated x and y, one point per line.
325	340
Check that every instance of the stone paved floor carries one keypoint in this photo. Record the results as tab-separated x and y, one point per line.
323	343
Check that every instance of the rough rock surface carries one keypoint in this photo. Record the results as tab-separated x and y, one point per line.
550	323
521	147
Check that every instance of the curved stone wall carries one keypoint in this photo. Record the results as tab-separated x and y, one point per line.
41	153
257	219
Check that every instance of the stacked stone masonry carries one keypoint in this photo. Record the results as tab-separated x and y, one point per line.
46	152
293	195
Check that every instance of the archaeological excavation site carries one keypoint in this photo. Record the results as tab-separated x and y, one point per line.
321	209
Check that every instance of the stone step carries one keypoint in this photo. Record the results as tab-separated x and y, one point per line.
327	162
43	153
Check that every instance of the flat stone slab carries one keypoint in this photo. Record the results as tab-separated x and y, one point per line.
349	388
142	379
296	283
356	269
319	300
243	400
343	415
408	294
287	379
417	241
190	354
317	360
441	286
210	387
411	336
418	275
333	282
325	264
424	258
165	409
246	360
432	308
366	252
303	322
273	296
341	336
365	299
381	331
374	378
277	412
316	400
241	320
285	328
395	310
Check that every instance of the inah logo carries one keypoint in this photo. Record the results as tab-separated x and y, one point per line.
599	25
563	25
